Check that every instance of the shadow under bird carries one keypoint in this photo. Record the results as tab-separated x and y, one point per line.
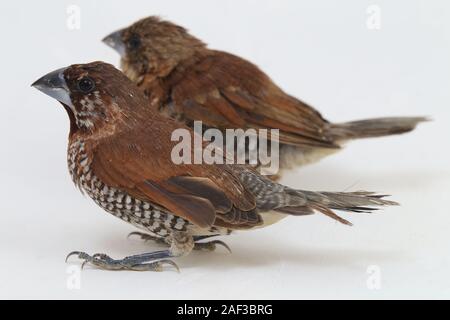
120	155
186	80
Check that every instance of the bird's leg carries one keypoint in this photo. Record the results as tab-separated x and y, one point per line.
208	246
182	244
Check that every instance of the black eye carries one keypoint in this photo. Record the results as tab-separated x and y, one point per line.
134	42
86	85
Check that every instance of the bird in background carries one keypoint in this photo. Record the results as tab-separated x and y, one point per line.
187	81
119	154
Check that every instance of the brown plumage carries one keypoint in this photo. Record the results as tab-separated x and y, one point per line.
120	155
188	81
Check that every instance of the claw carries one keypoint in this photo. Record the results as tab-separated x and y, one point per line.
73	253
171	263
223	244
199	238
135	233
81	255
147	237
211	245
85	262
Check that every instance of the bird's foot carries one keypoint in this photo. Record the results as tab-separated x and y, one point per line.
206	246
210	245
136	263
162	240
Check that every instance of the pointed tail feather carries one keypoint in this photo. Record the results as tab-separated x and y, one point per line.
375	127
326	202
270	195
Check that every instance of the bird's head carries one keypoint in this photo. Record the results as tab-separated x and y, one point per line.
152	46
95	95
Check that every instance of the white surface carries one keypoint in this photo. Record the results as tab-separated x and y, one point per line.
320	51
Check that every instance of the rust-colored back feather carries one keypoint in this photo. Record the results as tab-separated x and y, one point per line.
225	91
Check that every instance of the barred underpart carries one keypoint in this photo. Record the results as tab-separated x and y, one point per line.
142	214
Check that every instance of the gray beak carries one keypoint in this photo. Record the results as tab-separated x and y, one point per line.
114	40
54	85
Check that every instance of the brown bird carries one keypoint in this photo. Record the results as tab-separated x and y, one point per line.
188	81
119	154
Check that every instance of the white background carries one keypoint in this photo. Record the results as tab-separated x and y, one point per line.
320	51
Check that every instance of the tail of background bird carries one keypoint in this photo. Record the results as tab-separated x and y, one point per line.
374	127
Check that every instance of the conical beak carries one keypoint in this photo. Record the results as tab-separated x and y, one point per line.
114	40
54	85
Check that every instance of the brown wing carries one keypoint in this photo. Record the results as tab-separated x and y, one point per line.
142	167
225	91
